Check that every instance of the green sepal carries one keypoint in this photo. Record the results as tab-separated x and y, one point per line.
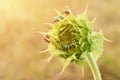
81	61
84	32
97	40
85	46
82	19
67	61
55	52
82	40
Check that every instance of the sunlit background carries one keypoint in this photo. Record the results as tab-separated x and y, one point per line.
20	43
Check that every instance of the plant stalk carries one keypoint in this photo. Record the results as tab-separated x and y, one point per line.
93	65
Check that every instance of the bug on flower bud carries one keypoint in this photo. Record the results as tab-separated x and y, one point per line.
46	38
66	12
58	18
65	47
74	40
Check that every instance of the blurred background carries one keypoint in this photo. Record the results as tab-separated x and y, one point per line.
20	43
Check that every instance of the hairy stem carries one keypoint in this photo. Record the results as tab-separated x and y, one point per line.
94	67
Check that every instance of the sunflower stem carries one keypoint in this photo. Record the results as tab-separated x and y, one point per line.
93	65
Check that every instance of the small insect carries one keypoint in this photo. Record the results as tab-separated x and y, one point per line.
58	18
65	47
73	44
66	12
46	38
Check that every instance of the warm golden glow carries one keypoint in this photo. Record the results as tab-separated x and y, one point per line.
20	44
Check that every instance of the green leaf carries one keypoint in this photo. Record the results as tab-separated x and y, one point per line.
97	40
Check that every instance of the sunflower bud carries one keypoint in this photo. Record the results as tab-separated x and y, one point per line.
72	38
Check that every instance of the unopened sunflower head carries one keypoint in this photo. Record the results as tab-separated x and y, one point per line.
71	38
